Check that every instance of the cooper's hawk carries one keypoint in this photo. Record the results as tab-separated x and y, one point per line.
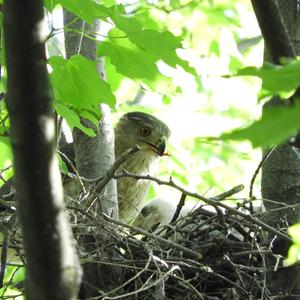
150	134
134	128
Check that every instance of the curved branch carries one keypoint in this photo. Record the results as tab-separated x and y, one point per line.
210	201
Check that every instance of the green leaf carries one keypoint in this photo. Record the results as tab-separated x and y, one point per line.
293	256
234	64
76	82
276	79
6	155
294	232
129	60
294	251
88	10
72	118
214	48
275	126
163	45
113	77
166	100
62	165
94	116
50	4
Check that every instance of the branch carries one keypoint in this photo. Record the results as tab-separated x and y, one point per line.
209	201
178	208
104	180
154	237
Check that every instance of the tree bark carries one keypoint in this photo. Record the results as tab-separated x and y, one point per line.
53	270
279	22
94	156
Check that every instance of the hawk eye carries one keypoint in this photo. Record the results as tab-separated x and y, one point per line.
145	131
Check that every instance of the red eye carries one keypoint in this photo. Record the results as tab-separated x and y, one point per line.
145	131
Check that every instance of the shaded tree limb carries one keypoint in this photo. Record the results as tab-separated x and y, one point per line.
275	34
53	270
94	156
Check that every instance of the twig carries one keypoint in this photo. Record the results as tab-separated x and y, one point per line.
210	201
74	169
11	205
5	244
179	208
129	280
267	155
110	174
170	243
229	193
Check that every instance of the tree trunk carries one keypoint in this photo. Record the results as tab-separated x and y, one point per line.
281	171
94	156
53	270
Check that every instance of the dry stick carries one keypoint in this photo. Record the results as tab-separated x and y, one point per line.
268	154
206	200
4	249
170	243
111	172
178	208
10	205
73	168
5	246
130	279
229	193
145	286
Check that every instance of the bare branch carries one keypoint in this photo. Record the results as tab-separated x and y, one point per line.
209	201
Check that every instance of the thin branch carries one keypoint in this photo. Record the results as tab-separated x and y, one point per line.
228	193
104	180
111	172
179	207
170	243
210	201
267	155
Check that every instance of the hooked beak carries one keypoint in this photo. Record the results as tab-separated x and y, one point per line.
159	148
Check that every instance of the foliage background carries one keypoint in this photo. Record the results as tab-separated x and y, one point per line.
194	99
218	38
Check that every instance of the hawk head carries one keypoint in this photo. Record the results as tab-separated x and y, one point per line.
144	130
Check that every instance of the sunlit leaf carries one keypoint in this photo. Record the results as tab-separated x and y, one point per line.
6	157
72	118
294	251
129	60
294	232
293	256
62	165
276	79
163	45
275	126
87	10
214	48
222	14
50	4
77	82
166	100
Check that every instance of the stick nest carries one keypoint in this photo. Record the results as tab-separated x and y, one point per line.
205	255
